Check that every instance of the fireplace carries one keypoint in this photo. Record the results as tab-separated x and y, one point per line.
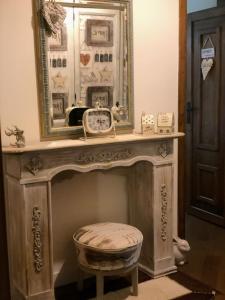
29	174
79	199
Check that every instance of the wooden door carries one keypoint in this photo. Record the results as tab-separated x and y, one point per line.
205	118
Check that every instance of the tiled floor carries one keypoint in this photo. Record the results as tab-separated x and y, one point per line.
206	260
200	291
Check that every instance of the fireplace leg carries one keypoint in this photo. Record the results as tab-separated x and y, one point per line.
150	190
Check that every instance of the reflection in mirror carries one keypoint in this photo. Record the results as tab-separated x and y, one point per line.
87	61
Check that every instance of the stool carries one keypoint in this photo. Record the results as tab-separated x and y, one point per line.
108	249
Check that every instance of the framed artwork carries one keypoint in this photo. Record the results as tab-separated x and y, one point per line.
101	94
59	103
99	33
60	43
147	123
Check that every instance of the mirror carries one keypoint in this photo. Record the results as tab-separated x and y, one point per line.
87	62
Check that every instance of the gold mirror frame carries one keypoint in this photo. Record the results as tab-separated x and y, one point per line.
47	131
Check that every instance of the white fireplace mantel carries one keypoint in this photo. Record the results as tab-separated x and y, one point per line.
28	174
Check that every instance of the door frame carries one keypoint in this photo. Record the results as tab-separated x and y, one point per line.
182	78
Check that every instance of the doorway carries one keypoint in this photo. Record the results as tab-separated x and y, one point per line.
205	110
207	256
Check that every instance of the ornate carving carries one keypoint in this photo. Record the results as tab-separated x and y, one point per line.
37	244
103	156
164	217
163	150
34	165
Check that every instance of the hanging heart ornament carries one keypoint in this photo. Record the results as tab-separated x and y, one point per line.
206	66
85	58
54	15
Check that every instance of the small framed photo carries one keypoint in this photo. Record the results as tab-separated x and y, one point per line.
101	94
147	123
59	103
165	123
99	33
60	42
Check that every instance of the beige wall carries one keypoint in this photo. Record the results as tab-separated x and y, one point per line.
18	93
155	89
155	56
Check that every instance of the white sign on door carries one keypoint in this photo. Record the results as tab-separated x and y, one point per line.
207	53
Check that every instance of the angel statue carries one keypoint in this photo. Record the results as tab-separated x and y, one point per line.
18	133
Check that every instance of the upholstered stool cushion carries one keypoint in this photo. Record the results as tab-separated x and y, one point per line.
108	246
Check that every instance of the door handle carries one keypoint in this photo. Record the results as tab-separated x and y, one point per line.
189	110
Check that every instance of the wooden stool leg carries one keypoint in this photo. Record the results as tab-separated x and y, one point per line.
80	282
99	287
134	276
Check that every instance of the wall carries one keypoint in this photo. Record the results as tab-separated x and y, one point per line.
155	56
18	92
155	84
196	5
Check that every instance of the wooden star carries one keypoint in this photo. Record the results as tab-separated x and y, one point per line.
59	81
106	75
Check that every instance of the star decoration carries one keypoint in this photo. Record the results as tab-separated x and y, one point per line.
106	75
59	81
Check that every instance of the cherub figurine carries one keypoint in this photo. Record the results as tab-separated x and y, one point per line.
18	133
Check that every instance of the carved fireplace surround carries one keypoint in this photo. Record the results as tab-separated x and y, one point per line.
28	174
